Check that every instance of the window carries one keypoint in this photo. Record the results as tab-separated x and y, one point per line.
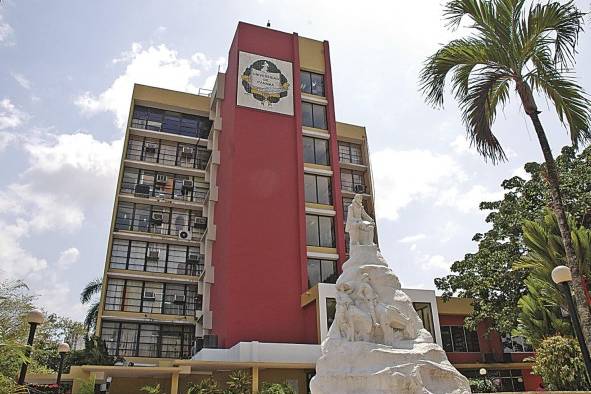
320	231
114	296
170	122
353	181
317	189
331	310
346	202
312	83
505	380
155	219
148	340
155	257
350	153
321	271
516	344
314	115
316	151
424	311
167	152
458	339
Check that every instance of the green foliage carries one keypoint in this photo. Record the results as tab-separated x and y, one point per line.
559	362
9	386
482	386
487	276
86	386
206	386
154	389
94	353
276	388
239	382
87	296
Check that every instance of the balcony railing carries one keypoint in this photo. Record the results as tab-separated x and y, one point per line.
182	193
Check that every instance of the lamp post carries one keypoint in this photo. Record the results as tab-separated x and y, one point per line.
62	349
482	373
34	318
561	275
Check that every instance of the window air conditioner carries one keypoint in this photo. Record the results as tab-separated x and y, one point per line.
179	299
185	235
142	190
153	254
193	258
200	223
157	217
161	178
187	151
187	184
149	296
359	188
151	149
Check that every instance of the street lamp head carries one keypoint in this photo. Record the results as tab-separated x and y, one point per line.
63	348
35	317
561	274
482	371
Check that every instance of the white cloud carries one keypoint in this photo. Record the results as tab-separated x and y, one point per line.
68	257
15	261
5	32
520	172
412	238
6	139
10	116
467	201
435	263
157	66
403	176
22	80
461	145
78	151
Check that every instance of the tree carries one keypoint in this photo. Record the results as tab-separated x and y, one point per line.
239	382
559	362
94	353
529	49
87	297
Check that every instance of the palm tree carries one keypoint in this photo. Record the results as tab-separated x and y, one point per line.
529	48
87	296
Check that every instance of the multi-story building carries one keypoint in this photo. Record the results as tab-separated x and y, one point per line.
228	228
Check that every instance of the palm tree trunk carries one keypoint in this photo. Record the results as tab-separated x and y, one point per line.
558	208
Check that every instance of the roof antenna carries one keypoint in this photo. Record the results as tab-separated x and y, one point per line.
268	22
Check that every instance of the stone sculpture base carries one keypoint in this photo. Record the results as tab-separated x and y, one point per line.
390	352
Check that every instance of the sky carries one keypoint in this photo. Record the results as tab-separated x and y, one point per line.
66	74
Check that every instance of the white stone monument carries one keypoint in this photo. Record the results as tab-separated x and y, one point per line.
377	343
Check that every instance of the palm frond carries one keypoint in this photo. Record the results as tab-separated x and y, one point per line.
91	316
92	288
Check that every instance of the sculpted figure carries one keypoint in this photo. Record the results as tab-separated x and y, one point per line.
367	296
360	225
342	312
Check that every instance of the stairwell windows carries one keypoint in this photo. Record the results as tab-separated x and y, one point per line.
321	271
314	115
317	189
320	231
312	83
316	151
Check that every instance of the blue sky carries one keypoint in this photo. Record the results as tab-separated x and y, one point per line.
66	73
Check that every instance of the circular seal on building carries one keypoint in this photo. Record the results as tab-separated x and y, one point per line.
265	82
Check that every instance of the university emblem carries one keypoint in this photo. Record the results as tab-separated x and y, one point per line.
264	81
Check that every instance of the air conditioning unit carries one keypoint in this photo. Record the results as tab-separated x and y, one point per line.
187	151
142	190
179	299
210	341
153	254
185	235
151	149
187	184
149	295
193	258
157	217
359	188
161	178
200	223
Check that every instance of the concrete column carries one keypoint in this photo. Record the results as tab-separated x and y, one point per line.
255	380
174	384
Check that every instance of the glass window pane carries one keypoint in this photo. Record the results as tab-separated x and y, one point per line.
119	253
472	341
331	309
137	256
307	119
446	338
313	272
459	339
109	334
321	151
123	219
306	83
128	339
319	113
310	188
133	296
328	271
317	84
152	297
324	192
309	150
141	218
326	232
148	340
312	236
114	296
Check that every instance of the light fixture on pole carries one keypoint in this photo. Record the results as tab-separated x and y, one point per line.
34	318
482	373
62	349
561	275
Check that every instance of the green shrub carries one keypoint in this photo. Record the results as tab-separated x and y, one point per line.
206	386
239	383
482	386
276	388
151	389
559	362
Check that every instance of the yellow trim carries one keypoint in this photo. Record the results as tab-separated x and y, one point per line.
309	296
161	276
151	316
170	99
255	380
319	206
311	55
351	132
320	249
317	166
454	306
